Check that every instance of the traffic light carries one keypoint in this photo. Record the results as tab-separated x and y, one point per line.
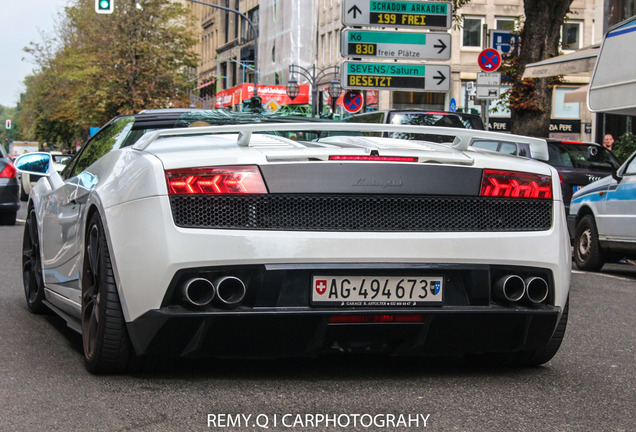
7	124
104	6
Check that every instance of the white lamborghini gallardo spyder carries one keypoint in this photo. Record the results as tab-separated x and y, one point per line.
288	239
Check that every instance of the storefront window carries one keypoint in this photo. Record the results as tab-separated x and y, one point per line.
563	110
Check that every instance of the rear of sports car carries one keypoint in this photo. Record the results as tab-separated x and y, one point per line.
281	249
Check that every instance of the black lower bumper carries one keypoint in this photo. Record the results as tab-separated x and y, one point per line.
9	197
275	333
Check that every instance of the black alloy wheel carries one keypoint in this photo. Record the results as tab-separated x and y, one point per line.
32	266
107	348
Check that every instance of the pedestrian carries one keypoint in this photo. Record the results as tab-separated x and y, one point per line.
608	141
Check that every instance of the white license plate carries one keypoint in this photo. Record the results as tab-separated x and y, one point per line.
377	290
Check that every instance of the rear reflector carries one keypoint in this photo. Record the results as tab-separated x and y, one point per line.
363	319
215	180
374	158
8	171
512	184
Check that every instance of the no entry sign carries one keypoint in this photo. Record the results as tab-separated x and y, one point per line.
352	101
489	60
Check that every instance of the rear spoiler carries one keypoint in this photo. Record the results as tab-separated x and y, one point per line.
459	139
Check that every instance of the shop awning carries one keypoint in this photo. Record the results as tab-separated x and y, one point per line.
579	62
578	95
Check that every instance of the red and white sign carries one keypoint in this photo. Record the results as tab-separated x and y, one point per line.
489	60
236	95
321	286
352	101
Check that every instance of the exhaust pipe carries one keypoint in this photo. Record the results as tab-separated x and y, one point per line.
536	289
509	288
230	290
198	292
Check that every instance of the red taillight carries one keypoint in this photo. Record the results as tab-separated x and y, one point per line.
365	319
574	142
215	180
374	158
512	184
8	171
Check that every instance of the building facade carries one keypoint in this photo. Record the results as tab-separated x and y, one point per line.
307	33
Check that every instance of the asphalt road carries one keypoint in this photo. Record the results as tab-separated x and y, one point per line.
590	385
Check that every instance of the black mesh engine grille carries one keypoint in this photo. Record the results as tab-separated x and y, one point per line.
299	212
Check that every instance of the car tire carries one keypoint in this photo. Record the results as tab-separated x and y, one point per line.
528	358
32	266
107	347
8	218
587	250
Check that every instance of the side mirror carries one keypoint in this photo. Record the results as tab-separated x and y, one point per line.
592	153
617	174
34	163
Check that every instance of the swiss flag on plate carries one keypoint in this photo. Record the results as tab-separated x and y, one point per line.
321	286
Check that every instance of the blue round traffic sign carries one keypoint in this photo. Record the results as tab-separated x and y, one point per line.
352	101
452	106
489	60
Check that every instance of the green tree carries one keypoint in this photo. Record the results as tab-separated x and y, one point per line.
531	99
140	57
624	146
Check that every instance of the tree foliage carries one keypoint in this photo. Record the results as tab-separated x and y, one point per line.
531	99
100	66
625	146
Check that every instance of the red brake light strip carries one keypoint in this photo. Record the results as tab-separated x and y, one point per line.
370	319
374	158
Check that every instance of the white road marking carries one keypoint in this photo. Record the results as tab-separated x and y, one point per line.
602	274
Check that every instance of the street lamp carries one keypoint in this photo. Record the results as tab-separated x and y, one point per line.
314	76
334	90
293	88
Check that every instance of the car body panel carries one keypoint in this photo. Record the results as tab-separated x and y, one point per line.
152	252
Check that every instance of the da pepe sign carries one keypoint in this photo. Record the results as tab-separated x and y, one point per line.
396	76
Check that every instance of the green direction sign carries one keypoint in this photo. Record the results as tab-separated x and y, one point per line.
396	45
395	76
401	14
